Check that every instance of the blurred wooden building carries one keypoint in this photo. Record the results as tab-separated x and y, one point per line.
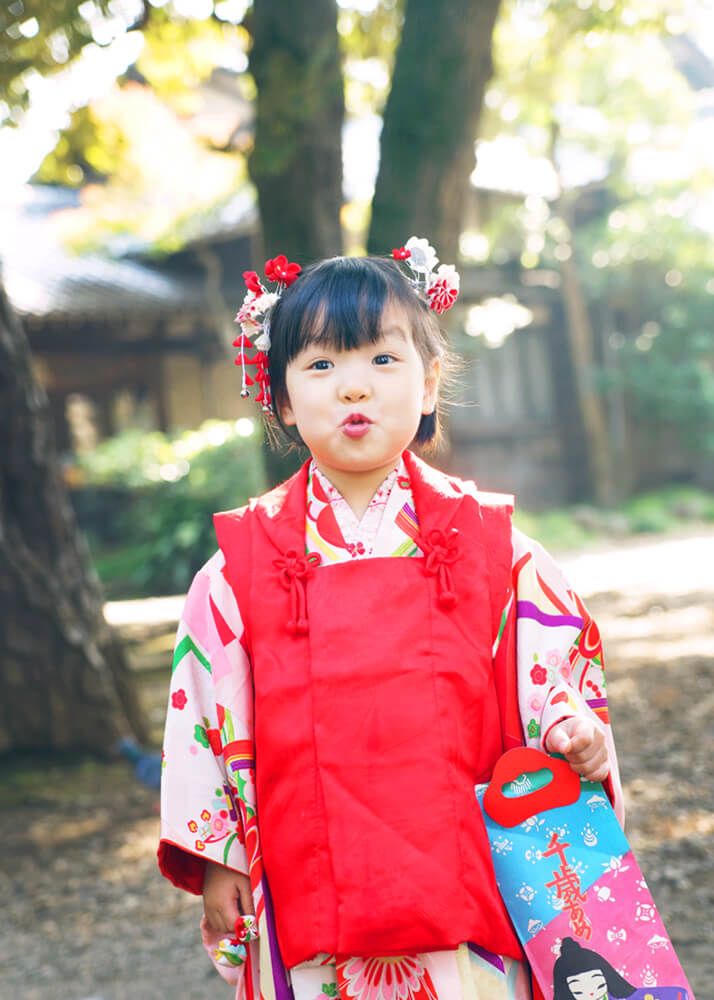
134	339
139	340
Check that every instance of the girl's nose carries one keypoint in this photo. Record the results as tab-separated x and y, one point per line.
354	390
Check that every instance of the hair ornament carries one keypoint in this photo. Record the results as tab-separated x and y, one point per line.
254	320
441	287
282	270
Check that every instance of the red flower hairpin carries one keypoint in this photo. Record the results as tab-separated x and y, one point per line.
280	269
254	319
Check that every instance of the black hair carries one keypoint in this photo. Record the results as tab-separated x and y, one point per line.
339	302
575	959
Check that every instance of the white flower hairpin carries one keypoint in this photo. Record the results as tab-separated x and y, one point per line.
441	286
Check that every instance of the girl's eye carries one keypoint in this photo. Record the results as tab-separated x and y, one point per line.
383	359
321	365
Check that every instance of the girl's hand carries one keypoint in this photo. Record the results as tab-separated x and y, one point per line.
582	743
226	896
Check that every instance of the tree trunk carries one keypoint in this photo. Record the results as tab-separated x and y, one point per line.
581	336
296	164
64	678
430	124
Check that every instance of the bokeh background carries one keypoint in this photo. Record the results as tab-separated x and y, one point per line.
561	152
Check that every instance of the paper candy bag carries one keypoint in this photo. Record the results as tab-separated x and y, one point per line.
572	886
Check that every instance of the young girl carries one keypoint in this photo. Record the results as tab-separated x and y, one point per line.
366	642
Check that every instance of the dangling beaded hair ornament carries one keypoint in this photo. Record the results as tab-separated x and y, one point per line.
254	319
440	288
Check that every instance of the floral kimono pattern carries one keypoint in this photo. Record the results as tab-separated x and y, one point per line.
208	785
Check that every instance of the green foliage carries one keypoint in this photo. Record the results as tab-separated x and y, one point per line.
179	55
569	528
668	508
556	529
136	138
654	272
89	149
682	397
668	369
154	138
596	83
373	34
171	487
369	43
120	569
38	37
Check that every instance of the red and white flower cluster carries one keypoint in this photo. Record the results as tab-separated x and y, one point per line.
254	320
441	286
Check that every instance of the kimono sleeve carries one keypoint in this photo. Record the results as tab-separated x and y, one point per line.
559	658
209	715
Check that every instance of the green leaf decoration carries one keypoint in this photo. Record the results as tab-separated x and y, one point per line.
533	729
199	734
227	848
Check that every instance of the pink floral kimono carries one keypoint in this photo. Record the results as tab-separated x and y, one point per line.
209	808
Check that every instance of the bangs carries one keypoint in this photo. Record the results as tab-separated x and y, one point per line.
341	307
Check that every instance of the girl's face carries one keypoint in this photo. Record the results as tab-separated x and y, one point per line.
358	410
588	985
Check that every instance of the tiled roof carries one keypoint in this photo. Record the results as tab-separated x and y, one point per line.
43	279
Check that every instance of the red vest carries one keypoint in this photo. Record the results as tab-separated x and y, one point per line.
376	712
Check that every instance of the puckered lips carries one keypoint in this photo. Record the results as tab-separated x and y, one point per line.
356	425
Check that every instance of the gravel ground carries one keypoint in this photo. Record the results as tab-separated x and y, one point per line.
88	917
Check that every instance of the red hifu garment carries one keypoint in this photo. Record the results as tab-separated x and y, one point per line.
376	712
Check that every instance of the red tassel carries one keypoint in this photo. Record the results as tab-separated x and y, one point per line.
447	599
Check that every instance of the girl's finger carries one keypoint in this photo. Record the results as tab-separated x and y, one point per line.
220	920
584	747
246	900
598	772
228	922
588	758
592	739
558	741
579	757
598	768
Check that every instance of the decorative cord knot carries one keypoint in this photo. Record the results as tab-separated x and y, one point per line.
441	550
245	930
294	570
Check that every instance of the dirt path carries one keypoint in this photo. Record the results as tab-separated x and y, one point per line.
87	917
